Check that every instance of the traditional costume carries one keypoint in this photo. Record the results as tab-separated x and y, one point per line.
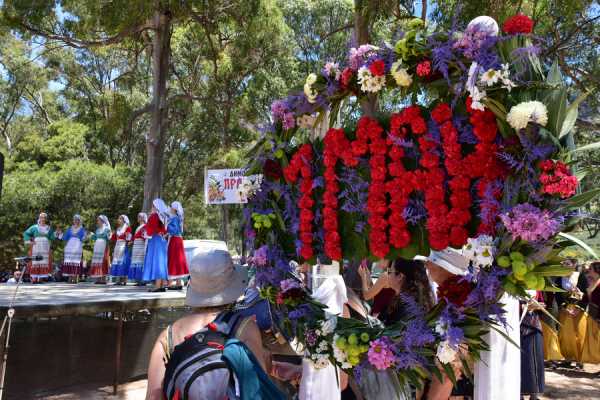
121	255
138	252
155	263
100	256
73	254
41	236
177	263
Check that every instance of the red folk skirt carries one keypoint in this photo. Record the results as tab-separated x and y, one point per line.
176	263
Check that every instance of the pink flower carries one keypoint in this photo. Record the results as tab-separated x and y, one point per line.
381	354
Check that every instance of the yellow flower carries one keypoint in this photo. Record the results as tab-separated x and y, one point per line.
402	77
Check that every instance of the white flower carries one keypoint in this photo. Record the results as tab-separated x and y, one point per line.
340	355
328	326
490	77
446	353
441	328
401	76
476	94
476	97
484	257
504	76
309	92
368	82
529	111
306	121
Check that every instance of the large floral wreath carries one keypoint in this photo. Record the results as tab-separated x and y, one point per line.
473	159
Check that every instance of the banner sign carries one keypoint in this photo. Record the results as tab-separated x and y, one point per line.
229	186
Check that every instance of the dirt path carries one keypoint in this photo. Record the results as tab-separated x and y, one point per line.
560	384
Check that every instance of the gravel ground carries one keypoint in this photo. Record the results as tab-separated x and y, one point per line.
561	383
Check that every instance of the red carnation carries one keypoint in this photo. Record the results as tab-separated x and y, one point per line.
377	68
441	113
272	170
424	68
346	77
518	24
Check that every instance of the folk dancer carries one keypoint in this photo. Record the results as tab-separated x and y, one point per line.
138	252
177	263
155	263
121	254
72	266
100	256
39	236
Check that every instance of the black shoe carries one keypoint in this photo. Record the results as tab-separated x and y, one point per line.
157	290
175	287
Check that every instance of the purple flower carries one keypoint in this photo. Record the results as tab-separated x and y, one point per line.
455	336
358	56
278	109
529	223
311	337
288	284
302	311
260	257
288	121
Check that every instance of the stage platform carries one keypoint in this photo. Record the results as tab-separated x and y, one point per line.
63	299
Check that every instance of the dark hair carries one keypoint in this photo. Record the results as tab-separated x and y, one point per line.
595	266
352	277
416	283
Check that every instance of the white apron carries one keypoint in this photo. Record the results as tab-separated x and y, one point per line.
138	252
73	251
498	374
99	249
119	252
41	247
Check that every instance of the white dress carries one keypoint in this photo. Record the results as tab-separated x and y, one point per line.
323	383
498	374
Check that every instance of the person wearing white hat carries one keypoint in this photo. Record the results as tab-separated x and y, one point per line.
177	263
121	255
155	263
215	284
138	251
100	256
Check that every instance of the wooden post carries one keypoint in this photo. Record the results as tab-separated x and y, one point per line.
224	223
118	351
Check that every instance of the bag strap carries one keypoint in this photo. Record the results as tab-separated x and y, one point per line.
227	322
170	345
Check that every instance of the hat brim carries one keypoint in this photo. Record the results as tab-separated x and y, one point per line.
449	267
238	283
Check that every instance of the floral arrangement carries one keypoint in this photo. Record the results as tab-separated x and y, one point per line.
474	161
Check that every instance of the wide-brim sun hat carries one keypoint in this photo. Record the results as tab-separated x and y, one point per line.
214	279
451	260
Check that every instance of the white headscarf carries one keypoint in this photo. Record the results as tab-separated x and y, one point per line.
163	210
144	216
123	227
45	215
105	221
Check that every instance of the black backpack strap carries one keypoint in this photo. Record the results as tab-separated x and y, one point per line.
227	322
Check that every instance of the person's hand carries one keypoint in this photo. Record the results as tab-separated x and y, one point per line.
364	273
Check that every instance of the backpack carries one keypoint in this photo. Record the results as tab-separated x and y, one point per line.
213	365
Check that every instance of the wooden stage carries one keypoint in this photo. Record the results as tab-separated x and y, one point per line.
63	299
52	302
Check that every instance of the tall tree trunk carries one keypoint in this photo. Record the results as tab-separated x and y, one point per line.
362	36
161	51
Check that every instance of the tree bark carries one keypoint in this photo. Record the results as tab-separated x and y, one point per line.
362	36
161	49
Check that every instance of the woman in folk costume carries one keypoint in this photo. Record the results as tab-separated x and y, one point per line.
100	256
177	263
138	252
39	237
72	263
121	255
155	263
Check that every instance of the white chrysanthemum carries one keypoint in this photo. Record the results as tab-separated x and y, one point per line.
309	92
368	82
529	111
490	77
446	353
476	97
505	78
401	75
328	326
321	362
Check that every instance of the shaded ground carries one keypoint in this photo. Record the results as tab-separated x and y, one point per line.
560	384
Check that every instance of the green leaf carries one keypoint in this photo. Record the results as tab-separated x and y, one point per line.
580	200
552	270
571	115
450	372
588	147
554	76
580	243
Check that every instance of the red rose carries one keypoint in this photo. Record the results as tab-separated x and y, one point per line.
418	126
424	68
441	113
377	68
455	290
272	170
306	252
518	24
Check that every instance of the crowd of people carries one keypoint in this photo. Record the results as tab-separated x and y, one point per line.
154	252
354	293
